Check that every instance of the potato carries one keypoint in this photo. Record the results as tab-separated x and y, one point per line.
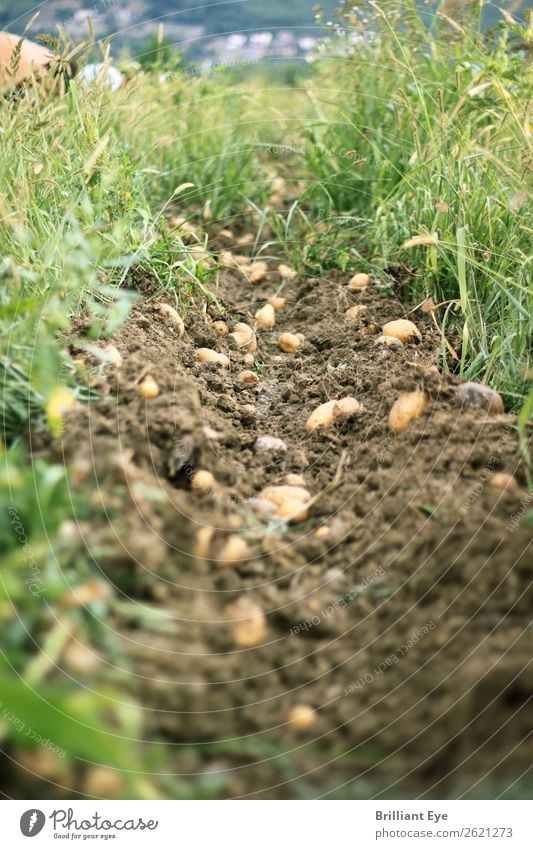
250	625
302	717
221	328
403	330
244	337
355	312
294	480
277	302
249	378
266	317
203	542
257	272
406	408
331	411
207	355
292	510
346	407
203	481
503	480
172	315
281	493
287	272
234	550
148	388
248	359
359	281
389	341
289	342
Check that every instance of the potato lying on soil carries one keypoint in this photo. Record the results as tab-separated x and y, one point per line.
248	359
302	717
503	480
234	550
207	355
290	501
294	480
290	342
221	328
203	481
244	337
325	415
277	302
477	395
402	329
406	408
282	492
266	317
173	316
148	388
248	378
355	312
286	272
257	272
389	341
250	625
359	281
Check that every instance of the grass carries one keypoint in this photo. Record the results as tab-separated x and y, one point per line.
411	156
421	136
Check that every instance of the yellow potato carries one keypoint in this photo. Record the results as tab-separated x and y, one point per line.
406	408
287	272
302	717
203	481
221	328
172	315
148	388
244	337
289	342
402	329
277	302
257	272
503	480
359	281
234	550
294	480
292	510
266	317
282	493
250	625
331	411
248	377
207	355
355	312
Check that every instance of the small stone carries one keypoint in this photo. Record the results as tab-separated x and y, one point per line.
477	395
270	445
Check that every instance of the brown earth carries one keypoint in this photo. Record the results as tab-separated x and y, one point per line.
405	624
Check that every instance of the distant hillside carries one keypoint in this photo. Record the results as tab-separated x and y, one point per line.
190	23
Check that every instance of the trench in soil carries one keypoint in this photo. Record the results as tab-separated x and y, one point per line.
403	622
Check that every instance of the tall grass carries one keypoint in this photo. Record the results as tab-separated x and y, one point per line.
420	130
